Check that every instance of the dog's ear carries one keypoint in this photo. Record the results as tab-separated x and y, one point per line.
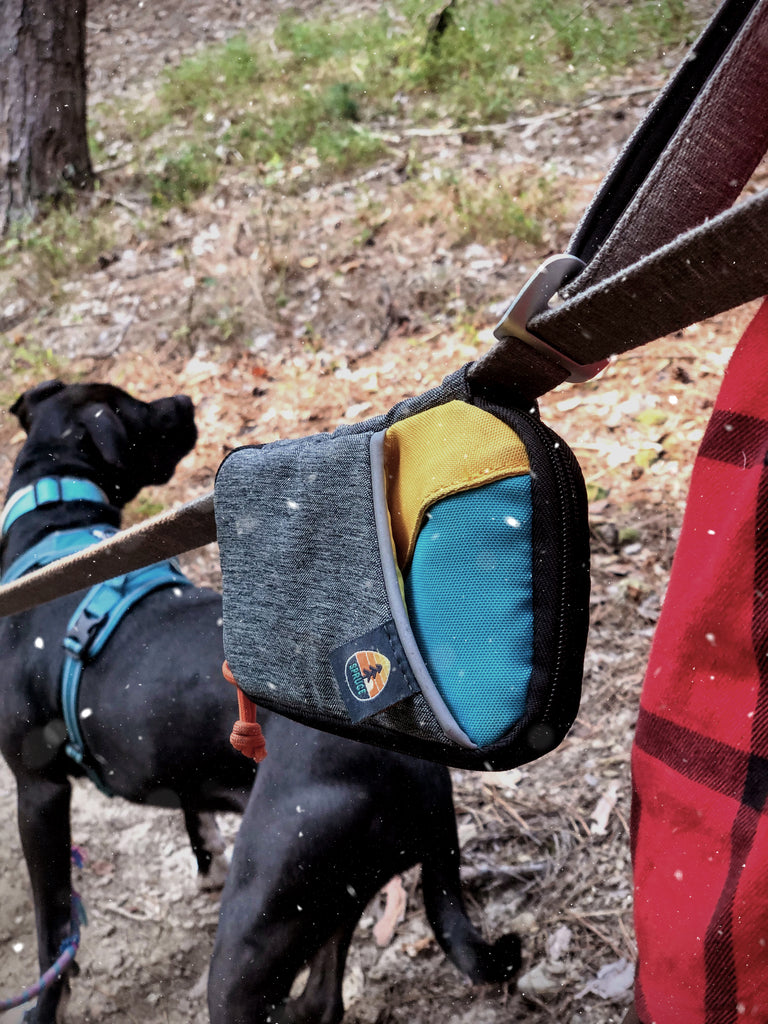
25	404
106	431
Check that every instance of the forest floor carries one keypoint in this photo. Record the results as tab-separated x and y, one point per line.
342	301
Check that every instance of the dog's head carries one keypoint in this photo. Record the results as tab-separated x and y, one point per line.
100	431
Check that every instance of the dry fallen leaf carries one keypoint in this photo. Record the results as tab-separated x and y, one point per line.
612	981
602	812
394	911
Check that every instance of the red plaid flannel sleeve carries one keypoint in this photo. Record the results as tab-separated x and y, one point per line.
700	759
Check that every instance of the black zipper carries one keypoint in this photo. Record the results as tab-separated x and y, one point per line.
563	464
558	460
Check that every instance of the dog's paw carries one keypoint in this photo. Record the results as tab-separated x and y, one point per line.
216	875
505	958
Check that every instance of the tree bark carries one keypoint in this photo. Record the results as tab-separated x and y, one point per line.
43	139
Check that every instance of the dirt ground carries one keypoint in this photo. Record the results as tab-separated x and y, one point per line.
545	847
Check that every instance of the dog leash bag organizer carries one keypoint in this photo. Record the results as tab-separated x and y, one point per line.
419	581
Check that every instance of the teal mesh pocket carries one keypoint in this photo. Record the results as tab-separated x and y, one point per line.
469	594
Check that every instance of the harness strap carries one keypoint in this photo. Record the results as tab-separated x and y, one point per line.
91	625
104	605
180	529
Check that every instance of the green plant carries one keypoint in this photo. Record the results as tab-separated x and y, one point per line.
216	76
143	507
26	363
67	236
494	211
493	57
182	177
226	326
475	208
317	103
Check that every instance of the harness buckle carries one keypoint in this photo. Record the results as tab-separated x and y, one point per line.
82	632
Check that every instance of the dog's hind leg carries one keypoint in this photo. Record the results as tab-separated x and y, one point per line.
209	848
43	815
256	957
321	1001
290	891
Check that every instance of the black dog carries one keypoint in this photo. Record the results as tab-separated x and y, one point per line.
159	713
329	820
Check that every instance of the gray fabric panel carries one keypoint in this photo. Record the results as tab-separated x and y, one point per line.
413	717
302	571
300	564
302	574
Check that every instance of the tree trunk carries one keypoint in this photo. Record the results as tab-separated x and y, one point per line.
43	140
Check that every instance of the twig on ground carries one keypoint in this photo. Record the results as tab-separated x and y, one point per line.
131	915
580	918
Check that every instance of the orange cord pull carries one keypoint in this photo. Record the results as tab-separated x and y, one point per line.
246	735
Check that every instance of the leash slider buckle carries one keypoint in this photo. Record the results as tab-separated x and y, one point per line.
533	298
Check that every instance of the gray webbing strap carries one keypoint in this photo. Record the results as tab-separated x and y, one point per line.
717	266
654	271
708	161
181	529
658	126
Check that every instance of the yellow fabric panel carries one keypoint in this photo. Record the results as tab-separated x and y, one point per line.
442	451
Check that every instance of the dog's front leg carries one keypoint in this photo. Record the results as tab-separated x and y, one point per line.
43	813
208	847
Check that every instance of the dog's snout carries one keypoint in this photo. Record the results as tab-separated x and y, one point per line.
174	420
172	433
170	414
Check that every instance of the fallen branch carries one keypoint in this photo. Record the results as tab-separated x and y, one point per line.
519	122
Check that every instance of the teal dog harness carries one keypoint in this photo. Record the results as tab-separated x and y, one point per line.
104	605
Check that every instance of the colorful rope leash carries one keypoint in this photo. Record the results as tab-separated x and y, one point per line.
67	951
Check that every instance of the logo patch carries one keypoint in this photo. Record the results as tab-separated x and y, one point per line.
367	673
372	672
